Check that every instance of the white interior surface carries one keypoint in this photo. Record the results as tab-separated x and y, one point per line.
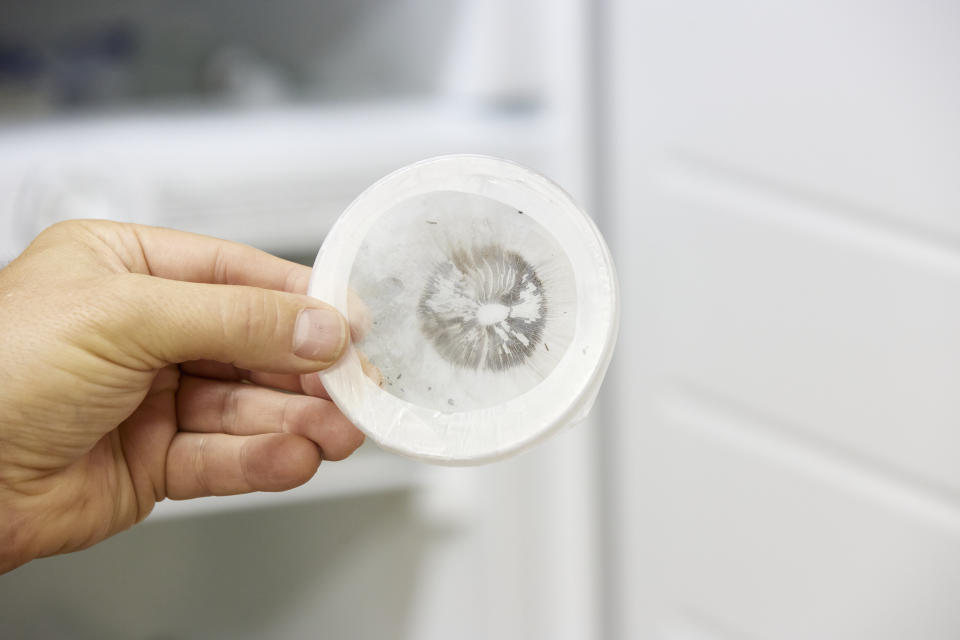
276	177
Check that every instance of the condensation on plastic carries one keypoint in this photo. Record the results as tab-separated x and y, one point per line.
430	249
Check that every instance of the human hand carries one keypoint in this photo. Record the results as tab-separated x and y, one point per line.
138	364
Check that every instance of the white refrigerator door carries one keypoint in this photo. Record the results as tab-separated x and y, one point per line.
785	198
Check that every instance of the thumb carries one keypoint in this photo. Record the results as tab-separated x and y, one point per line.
250	327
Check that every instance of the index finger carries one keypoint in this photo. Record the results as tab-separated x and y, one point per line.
179	255
191	257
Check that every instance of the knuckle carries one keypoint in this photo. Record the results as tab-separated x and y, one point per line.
200	467
296	414
63	229
221	265
79	229
230	409
255	313
297	280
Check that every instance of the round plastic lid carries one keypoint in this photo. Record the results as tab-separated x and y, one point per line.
492	305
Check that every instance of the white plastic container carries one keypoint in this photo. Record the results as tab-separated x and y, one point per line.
494	309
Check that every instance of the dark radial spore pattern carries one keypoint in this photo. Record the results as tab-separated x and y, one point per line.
483	308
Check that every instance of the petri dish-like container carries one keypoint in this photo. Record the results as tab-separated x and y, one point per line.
492	303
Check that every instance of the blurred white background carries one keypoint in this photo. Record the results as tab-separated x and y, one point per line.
776	451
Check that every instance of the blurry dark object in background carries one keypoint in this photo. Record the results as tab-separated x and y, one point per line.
18	63
95	66
62	56
88	66
21	77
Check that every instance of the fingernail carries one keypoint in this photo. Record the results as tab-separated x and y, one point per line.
319	335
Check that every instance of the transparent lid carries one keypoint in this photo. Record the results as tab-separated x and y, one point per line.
492	304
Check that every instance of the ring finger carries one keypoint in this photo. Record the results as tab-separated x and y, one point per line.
217	406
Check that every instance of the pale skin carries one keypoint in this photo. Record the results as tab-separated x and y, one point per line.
140	364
